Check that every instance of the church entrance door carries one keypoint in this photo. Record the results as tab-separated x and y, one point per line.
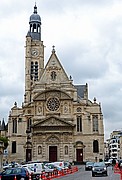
28	155
79	155
52	153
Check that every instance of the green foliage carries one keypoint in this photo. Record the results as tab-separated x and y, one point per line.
5	140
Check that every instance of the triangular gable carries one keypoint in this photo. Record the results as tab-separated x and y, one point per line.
52	121
54	65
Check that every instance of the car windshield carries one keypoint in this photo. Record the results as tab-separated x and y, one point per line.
99	164
31	168
89	163
51	166
13	171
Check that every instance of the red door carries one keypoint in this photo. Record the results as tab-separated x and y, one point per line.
52	153
79	155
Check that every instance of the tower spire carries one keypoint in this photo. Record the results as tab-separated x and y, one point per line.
35	25
35	9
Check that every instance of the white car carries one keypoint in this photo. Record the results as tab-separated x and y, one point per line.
108	163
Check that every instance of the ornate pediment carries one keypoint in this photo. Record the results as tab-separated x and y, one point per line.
53	122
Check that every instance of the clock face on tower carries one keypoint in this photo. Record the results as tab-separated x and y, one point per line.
34	52
53	104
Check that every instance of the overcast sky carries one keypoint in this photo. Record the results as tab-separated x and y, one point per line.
87	35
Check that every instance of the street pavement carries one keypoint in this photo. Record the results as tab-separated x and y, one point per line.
86	175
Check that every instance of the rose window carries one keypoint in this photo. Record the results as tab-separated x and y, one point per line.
53	104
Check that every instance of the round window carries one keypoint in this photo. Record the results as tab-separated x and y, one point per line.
53	104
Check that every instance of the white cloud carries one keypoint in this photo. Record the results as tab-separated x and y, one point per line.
88	39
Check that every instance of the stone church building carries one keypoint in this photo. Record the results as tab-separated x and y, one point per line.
57	121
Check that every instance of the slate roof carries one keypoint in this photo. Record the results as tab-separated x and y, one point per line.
80	89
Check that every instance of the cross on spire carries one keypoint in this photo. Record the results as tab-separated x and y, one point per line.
53	50
35	8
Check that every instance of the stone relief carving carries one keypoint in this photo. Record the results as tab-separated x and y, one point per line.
66	138
53	68
69	108
39	108
41	97
79	109
53	139
53	94
53	122
65	108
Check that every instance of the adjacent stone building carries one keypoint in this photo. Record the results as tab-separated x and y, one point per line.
57	121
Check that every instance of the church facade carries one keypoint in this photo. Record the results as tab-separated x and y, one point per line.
56	121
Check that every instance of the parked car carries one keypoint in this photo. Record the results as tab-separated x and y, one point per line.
67	165
36	169
63	164
99	168
54	167
47	169
11	165
33	175
109	162
89	165
10	173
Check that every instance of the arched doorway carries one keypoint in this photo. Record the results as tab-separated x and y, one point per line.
79	151
28	147
28	155
53	144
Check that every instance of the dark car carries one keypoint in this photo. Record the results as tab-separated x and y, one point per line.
67	165
11	173
99	169
89	165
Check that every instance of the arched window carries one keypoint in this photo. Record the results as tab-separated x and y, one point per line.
38	28
95	146
14	147
32	70
36	71
66	150
34	28
14	122
29	123
79	124
95	123
39	150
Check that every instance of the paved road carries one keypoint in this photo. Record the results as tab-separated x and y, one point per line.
86	175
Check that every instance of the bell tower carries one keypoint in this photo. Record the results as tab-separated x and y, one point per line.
34	54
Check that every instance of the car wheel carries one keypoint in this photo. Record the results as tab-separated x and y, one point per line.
93	174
